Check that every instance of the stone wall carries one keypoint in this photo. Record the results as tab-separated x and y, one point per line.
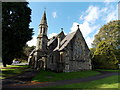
52	61
74	57
77	55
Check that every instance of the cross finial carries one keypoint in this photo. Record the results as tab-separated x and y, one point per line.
61	29
78	26
44	8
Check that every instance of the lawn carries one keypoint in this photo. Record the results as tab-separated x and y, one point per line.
47	76
12	70
109	82
9	66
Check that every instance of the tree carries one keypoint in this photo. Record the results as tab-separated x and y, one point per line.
15	29
104	56
27	49
109	32
92	50
107	46
25	53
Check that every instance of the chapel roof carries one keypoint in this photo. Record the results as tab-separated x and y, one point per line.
66	40
51	40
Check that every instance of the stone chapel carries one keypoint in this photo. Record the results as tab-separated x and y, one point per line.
61	53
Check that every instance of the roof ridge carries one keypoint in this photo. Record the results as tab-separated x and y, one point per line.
67	39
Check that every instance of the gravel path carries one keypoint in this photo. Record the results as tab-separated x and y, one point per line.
28	76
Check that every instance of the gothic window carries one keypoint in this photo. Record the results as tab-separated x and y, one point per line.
61	57
52	59
40	29
80	50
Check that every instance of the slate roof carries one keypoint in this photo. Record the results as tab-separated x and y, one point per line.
65	41
51	40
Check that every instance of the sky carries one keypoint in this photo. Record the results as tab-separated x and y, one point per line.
67	15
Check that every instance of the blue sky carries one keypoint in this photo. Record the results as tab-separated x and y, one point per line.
67	15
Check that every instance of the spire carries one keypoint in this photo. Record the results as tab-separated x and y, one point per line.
44	19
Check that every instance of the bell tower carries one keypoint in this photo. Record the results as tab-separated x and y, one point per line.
42	36
41	47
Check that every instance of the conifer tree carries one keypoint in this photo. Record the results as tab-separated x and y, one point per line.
15	29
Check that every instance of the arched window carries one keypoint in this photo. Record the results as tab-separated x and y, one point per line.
61	58
52	59
40	29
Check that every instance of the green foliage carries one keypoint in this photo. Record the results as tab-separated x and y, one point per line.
107	46
104	56
92	50
111	32
25	53
46	76
27	50
15	29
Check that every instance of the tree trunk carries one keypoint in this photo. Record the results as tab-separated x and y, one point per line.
4	64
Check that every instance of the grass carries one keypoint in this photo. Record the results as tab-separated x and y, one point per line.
9	66
109	82
47	76
12	70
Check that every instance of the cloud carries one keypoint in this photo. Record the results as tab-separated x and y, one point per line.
86	29
92	14
89	41
88	26
93	18
32	42
89	17
54	14
51	35
34	39
74	27
110	14
110	17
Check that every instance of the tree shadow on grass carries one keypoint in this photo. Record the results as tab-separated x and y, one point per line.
10	72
